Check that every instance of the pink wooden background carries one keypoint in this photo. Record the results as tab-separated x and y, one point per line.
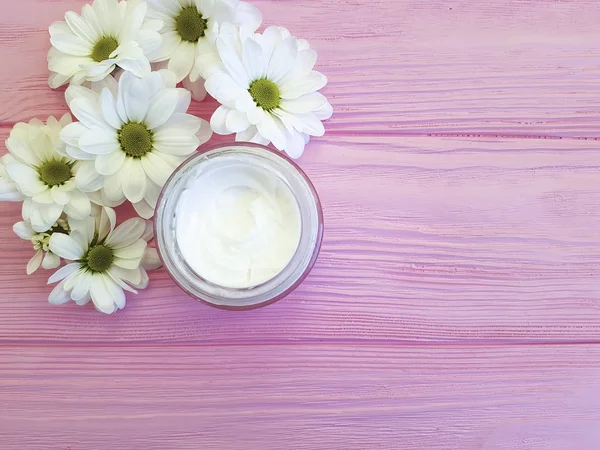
456	302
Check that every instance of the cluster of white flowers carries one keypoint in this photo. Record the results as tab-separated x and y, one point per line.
122	61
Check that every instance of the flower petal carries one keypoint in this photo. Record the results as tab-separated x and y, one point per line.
303	85
131	276
143	209
135	250
324	112
81	28
182	60
59	195
136	100
108	104
64	272
218	120
19	148
251	135
272	129
44	197
44	216
79	206
81	287
113	187
232	62
149	233
143	284
109	163
35	262
23	230
283	59
27	178
127	233
124	263
170	43
156	168
225	90
152	194
184	122
253	60
295	144
59	296
99	141
51	261
70	44
150	260
236	121
65	246
108	219
87	178
121	283
162	107
88	113
173	142
154	83
77	153
305	104
133	178
248	15
106	294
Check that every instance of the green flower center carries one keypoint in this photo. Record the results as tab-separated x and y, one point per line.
135	139
99	258
103	48
265	93
190	24
55	173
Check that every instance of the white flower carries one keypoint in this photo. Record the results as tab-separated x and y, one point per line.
44	174
106	261
107	34
43	256
9	192
268	90
132	138
189	34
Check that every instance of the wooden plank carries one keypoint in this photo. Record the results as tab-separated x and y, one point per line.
467	68
427	239
301	397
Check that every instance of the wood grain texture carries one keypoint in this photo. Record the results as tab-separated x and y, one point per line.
302	396
455	304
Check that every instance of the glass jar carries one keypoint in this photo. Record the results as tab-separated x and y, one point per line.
311	229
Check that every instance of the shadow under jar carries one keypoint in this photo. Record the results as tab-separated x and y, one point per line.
238	226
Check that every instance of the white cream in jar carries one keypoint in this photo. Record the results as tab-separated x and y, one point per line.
237	225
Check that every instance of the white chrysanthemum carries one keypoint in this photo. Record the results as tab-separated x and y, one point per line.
132	138
107	34
268	90
9	192
189	34
43	255
44	174
106	261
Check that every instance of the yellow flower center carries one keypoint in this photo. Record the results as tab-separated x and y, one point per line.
190	24
99	258
265	93
135	139
55	173
103	48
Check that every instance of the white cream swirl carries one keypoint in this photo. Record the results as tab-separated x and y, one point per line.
238	225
